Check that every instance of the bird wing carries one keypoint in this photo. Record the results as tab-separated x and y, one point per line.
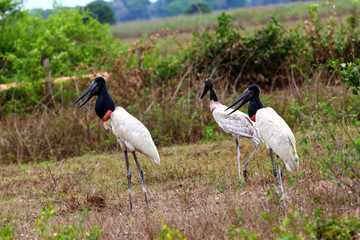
237	123
278	136
128	128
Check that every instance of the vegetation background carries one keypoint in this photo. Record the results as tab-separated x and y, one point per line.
129	10
61	176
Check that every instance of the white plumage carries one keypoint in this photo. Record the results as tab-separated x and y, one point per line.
131	134
238	124
273	131
278	136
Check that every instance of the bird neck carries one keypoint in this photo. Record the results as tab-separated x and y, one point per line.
104	104
254	106
213	96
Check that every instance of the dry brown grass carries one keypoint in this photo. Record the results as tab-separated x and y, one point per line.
182	192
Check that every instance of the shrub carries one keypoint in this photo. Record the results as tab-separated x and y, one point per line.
333	140
334	228
263	57
69	38
350	74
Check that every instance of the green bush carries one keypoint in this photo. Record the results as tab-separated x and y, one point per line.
334	228
350	74
264	56
334	137
71	40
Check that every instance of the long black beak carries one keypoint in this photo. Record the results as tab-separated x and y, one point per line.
246	97
206	89
90	89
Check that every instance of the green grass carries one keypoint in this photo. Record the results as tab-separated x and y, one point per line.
245	17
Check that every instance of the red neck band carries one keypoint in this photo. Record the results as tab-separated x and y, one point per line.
253	118
107	115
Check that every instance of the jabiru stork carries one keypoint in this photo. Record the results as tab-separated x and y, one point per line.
273	130
238	124
131	134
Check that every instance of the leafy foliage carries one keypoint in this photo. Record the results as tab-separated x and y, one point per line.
68	40
334	228
9	10
262	57
349	73
330	125
7	228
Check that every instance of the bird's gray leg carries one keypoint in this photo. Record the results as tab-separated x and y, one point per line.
238	157
141	174
128	177
274	171
281	184
248	161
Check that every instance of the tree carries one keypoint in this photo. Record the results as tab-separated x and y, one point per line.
197	7
64	38
9	9
102	11
10	12
175	8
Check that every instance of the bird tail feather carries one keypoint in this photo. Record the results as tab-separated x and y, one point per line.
292	163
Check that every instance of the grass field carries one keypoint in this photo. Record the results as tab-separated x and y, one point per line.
194	190
245	17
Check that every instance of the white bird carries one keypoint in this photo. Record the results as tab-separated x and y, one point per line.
238	124
273	130
131	134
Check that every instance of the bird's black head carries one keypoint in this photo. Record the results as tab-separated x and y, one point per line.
104	101
209	87
254	89
250	94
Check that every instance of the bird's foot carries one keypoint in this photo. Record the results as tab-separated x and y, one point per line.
245	173
282	203
240	183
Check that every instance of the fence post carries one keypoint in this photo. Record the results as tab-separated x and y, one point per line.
49	100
